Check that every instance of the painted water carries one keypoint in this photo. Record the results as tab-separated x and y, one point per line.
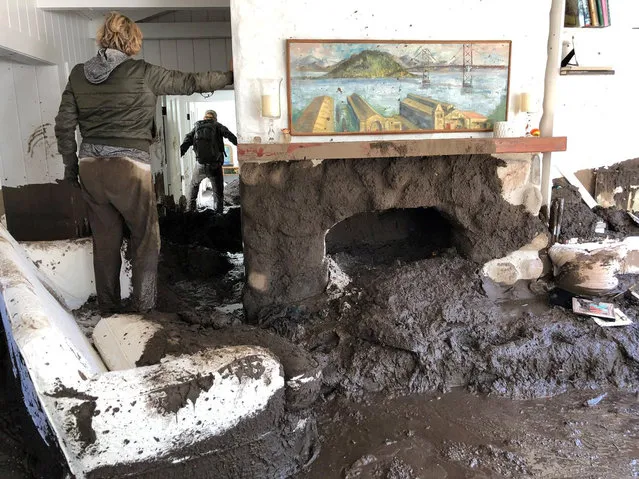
486	97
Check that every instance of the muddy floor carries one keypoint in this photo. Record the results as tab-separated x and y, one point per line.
425	376
461	435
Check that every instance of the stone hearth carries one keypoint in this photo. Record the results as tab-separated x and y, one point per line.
289	207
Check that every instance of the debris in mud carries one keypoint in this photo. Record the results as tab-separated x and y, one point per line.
579	221
232	193
495	459
618	221
207	228
372	467
596	400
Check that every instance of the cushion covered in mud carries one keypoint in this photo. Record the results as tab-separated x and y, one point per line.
126	341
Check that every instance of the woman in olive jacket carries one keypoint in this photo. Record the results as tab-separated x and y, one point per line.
112	98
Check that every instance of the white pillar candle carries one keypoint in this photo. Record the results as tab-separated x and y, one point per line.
527	103
270	106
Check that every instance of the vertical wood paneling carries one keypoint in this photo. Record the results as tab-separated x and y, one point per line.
32	18
23	25
91	48
47	79
62	39
11	146
201	55
152	52
140	55
218	54
4	13
13	18
42	25
168	54
185	55
71	36
77	41
31	94
30	122
51	36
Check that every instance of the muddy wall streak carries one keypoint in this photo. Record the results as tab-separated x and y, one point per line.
287	208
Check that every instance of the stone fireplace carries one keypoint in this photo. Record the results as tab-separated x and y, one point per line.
294	212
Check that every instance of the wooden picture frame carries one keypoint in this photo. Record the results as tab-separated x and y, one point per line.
373	87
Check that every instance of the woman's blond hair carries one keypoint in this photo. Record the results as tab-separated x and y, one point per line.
121	33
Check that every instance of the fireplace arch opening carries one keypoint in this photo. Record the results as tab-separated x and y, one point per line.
381	237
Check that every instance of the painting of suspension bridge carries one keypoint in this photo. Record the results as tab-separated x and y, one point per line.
370	87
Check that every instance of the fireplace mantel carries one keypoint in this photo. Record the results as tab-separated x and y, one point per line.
268	152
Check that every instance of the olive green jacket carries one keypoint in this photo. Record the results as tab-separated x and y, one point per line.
120	111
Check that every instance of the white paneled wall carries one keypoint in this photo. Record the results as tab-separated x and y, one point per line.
198	55
30	100
61	37
33	76
31	88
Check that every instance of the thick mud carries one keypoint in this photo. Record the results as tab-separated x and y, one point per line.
427	325
462	435
579	221
394	327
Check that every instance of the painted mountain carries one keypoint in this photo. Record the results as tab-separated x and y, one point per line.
311	63
369	64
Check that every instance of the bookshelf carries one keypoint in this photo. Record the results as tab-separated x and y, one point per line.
587	14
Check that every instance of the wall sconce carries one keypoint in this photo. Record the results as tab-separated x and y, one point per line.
528	106
270	94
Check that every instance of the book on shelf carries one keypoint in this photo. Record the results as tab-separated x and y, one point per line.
599	13
606	13
592	5
584	13
571	18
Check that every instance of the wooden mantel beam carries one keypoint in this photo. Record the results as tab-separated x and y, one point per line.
261	153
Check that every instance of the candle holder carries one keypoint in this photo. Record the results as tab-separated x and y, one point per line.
270	96
529	107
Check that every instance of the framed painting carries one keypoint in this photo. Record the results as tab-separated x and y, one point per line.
355	87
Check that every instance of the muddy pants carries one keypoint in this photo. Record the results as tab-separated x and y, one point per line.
216	175
119	190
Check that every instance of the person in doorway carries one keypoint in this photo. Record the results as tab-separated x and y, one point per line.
112	97
207	140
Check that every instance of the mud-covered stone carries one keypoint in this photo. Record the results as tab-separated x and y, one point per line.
288	207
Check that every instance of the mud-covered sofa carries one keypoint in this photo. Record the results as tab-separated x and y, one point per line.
220	412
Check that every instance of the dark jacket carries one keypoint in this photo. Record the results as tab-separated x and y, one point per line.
117	108
207	140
